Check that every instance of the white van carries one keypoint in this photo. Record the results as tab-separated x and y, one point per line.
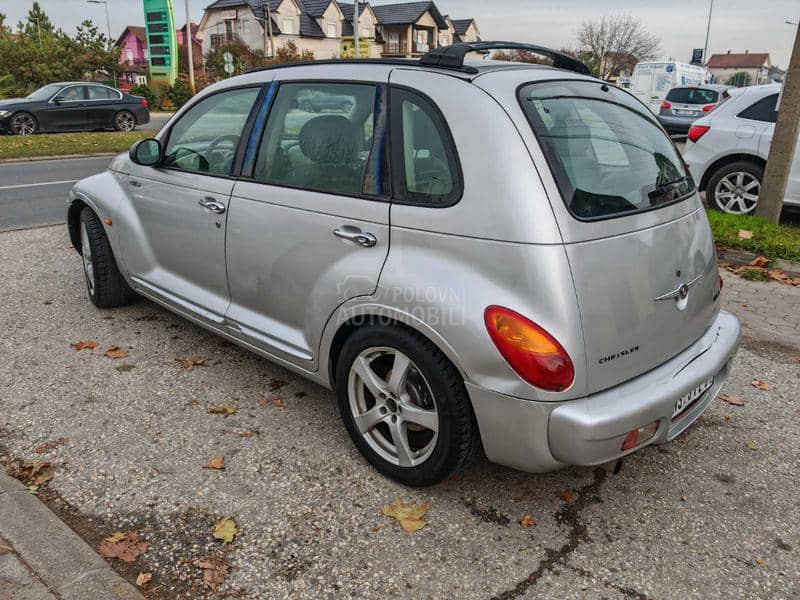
652	80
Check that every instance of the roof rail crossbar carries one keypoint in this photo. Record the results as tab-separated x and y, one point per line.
452	57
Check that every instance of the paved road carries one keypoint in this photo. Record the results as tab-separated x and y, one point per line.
157	120
712	515
34	193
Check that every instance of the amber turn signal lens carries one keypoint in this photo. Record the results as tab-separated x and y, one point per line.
534	354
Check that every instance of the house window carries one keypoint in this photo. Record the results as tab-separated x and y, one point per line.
332	32
243	26
366	32
129	55
422	37
217	40
228	30
394	42
288	27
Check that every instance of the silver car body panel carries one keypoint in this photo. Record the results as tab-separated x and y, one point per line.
270	276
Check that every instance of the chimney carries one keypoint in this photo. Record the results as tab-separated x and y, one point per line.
729	51
747	51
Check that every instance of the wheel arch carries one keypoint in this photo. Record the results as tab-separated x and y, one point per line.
74	222
727	160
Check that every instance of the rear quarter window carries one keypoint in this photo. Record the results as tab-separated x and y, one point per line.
765	110
608	154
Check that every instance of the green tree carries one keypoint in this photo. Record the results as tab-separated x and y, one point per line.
740	79
179	93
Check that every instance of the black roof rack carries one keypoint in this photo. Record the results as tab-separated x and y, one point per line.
452	57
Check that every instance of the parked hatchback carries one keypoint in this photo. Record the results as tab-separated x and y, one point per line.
684	105
73	106
727	151
494	255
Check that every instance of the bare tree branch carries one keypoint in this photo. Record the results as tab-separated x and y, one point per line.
614	43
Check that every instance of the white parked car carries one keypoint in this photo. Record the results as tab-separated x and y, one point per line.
727	150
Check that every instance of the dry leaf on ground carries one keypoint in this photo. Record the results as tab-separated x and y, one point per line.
49	445
732	399
34	473
90	345
408	515
567	496
226	530
526	521
217	462
762	385
525	494
214	571
744	234
125	368
751	446
114	352
759	261
225	409
192	362
143	579
126	547
278	402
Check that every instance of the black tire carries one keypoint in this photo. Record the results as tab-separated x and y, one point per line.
109	288
458	440
742	166
124	120
23	123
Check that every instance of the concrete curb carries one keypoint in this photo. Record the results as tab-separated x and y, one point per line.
62	560
38	158
739	257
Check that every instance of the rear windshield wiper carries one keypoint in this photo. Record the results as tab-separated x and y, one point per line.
663	189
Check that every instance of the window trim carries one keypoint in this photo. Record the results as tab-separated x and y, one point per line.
386	197
397	160
235	166
646	114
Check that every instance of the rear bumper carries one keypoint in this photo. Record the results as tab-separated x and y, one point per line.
541	436
677	124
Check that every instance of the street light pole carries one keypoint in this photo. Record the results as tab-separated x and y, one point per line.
356	46
108	27
187	39
708	31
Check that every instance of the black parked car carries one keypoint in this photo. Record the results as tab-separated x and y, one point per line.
73	106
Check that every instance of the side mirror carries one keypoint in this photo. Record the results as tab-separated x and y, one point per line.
146	152
58	99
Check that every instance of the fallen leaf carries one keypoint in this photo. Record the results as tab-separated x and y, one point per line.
114	353
49	445
214	571
126	547
760	562
684	498
143	579
732	399
192	362
745	234
278	402
761	385
527	521
225	530
567	496
225	409
525	494
408	515
218	462
125	368
727	417
34	473
758	261
90	345
751	446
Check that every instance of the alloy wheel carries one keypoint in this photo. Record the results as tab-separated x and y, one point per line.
23	125
88	265
125	121
393	406
737	193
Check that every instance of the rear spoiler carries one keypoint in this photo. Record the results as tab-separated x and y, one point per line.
452	57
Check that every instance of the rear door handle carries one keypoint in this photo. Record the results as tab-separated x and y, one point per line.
355	235
212	205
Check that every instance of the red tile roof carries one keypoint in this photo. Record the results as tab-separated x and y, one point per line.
733	61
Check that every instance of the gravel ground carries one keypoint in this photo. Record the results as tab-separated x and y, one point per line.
705	517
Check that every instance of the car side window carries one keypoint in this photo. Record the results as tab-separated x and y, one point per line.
319	137
206	137
424	164
76	93
97	92
764	110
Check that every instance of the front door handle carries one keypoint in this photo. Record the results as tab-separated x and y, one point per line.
354	234
212	205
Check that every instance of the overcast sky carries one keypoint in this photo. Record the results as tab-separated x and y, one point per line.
737	25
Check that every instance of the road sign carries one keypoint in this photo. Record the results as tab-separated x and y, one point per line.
228	57
697	56
229	68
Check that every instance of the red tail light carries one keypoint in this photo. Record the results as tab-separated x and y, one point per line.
697	131
709	107
666	105
721	283
533	353
143	102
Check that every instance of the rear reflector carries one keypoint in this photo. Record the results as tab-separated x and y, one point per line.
143	102
533	353
640	436
697	131
666	105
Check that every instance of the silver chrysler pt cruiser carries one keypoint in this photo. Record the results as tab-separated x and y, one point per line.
474	255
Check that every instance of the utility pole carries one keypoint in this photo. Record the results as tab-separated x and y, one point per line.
269	39
784	140
189	41
356	48
708	32
108	28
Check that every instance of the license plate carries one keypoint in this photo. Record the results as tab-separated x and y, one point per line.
686	113
685	401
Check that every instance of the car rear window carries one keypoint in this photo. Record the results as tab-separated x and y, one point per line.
692	96
608	154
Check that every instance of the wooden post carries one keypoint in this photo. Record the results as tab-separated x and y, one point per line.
784	141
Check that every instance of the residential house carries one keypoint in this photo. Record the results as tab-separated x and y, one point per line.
725	66
325	27
134	54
